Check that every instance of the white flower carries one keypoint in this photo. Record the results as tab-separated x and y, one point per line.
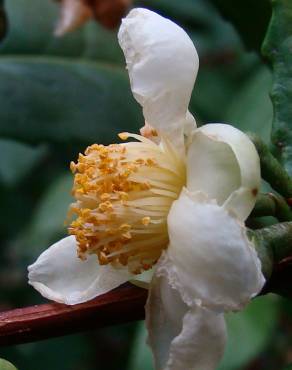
176	200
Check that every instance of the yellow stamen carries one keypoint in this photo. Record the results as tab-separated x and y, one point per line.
123	195
146	220
123	135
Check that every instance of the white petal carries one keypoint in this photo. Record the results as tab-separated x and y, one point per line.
210	256
241	202
190	125
182	337
212	167
162	63
222	160
58	274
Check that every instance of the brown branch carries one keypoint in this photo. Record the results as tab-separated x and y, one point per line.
39	322
119	306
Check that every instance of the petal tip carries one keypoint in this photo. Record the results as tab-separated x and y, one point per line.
155	49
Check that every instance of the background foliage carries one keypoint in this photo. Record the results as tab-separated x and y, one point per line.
57	95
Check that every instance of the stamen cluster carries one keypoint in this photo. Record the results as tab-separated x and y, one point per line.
123	194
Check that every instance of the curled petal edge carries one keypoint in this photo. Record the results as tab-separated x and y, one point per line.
58	274
182	337
229	163
210	259
156	49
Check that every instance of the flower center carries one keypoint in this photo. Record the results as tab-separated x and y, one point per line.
123	195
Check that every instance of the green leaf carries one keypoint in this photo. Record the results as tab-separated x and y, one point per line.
251	108
72	352
5	365
217	87
277	49
247	335
17	160
213	90
60	101
249	17
189	12
47	225
31	31
210	33
289	367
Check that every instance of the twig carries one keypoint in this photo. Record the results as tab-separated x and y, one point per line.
270	204
122	305
34	323
272	170
126	303
276	239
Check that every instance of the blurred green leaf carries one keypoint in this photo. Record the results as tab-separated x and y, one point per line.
189	12
73	352
289	367
213	90
277	49
140	356
249	332
31	25
17	160
249	17
217	85
60	101
47	224
209	32
31	31
5	365
251	108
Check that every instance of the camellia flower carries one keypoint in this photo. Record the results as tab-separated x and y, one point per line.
175	200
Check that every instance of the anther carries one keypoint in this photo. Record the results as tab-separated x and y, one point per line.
146	220
123	135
